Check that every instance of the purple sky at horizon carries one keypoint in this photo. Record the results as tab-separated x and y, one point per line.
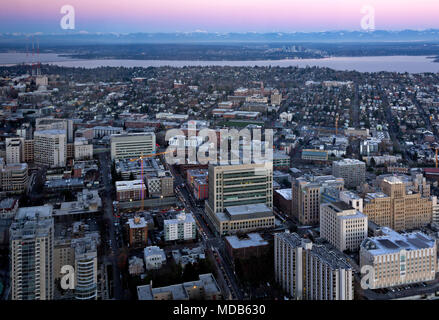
216	15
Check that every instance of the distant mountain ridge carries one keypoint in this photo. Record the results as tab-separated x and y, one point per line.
429	35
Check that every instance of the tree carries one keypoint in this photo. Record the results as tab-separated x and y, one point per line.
189	273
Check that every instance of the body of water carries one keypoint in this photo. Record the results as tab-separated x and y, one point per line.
411	64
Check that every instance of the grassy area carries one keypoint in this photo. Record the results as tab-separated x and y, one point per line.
239	123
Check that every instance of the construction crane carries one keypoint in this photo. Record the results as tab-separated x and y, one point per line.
435	157
336	124
141	172
435	147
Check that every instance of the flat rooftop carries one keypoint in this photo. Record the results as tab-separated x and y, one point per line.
351	195
7	203
181	218
375	195
349	162
154	250
285	193
134	223
31	212
252	240
393	242
129	185
340	206
248	211
323	252
179	291
50	132
393	180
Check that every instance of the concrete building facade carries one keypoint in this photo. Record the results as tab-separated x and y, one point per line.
181	228
308	271
132	145
399	259
306	196
31	254
397	209
343	226
13	177
50	148
353	172
14	150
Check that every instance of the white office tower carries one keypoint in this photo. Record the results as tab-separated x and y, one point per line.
132	145
14	150
343	226
50	148
308	271
399	259
86	269
51	123
83	150
31	254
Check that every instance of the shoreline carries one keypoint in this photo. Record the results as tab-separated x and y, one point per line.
399	64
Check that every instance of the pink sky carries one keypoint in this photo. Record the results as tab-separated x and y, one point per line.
216	15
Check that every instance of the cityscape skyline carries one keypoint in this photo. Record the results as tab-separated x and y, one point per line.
244	155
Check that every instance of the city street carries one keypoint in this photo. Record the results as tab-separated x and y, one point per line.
214	244
107	200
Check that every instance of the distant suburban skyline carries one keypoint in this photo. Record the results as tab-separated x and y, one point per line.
216	15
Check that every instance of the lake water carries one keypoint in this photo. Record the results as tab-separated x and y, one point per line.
411	64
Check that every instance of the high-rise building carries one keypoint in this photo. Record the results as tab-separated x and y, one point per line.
276	98
31	254
25	131
396	208
307	194
76	246
82	149
414	183
130	190
138	232
343	226
13	177
14	150
399	259
50	148
308	271
29	151
240	184
49	123
132	145
103	131
240	195
86	269
435	213
160	183
353	172
181	228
